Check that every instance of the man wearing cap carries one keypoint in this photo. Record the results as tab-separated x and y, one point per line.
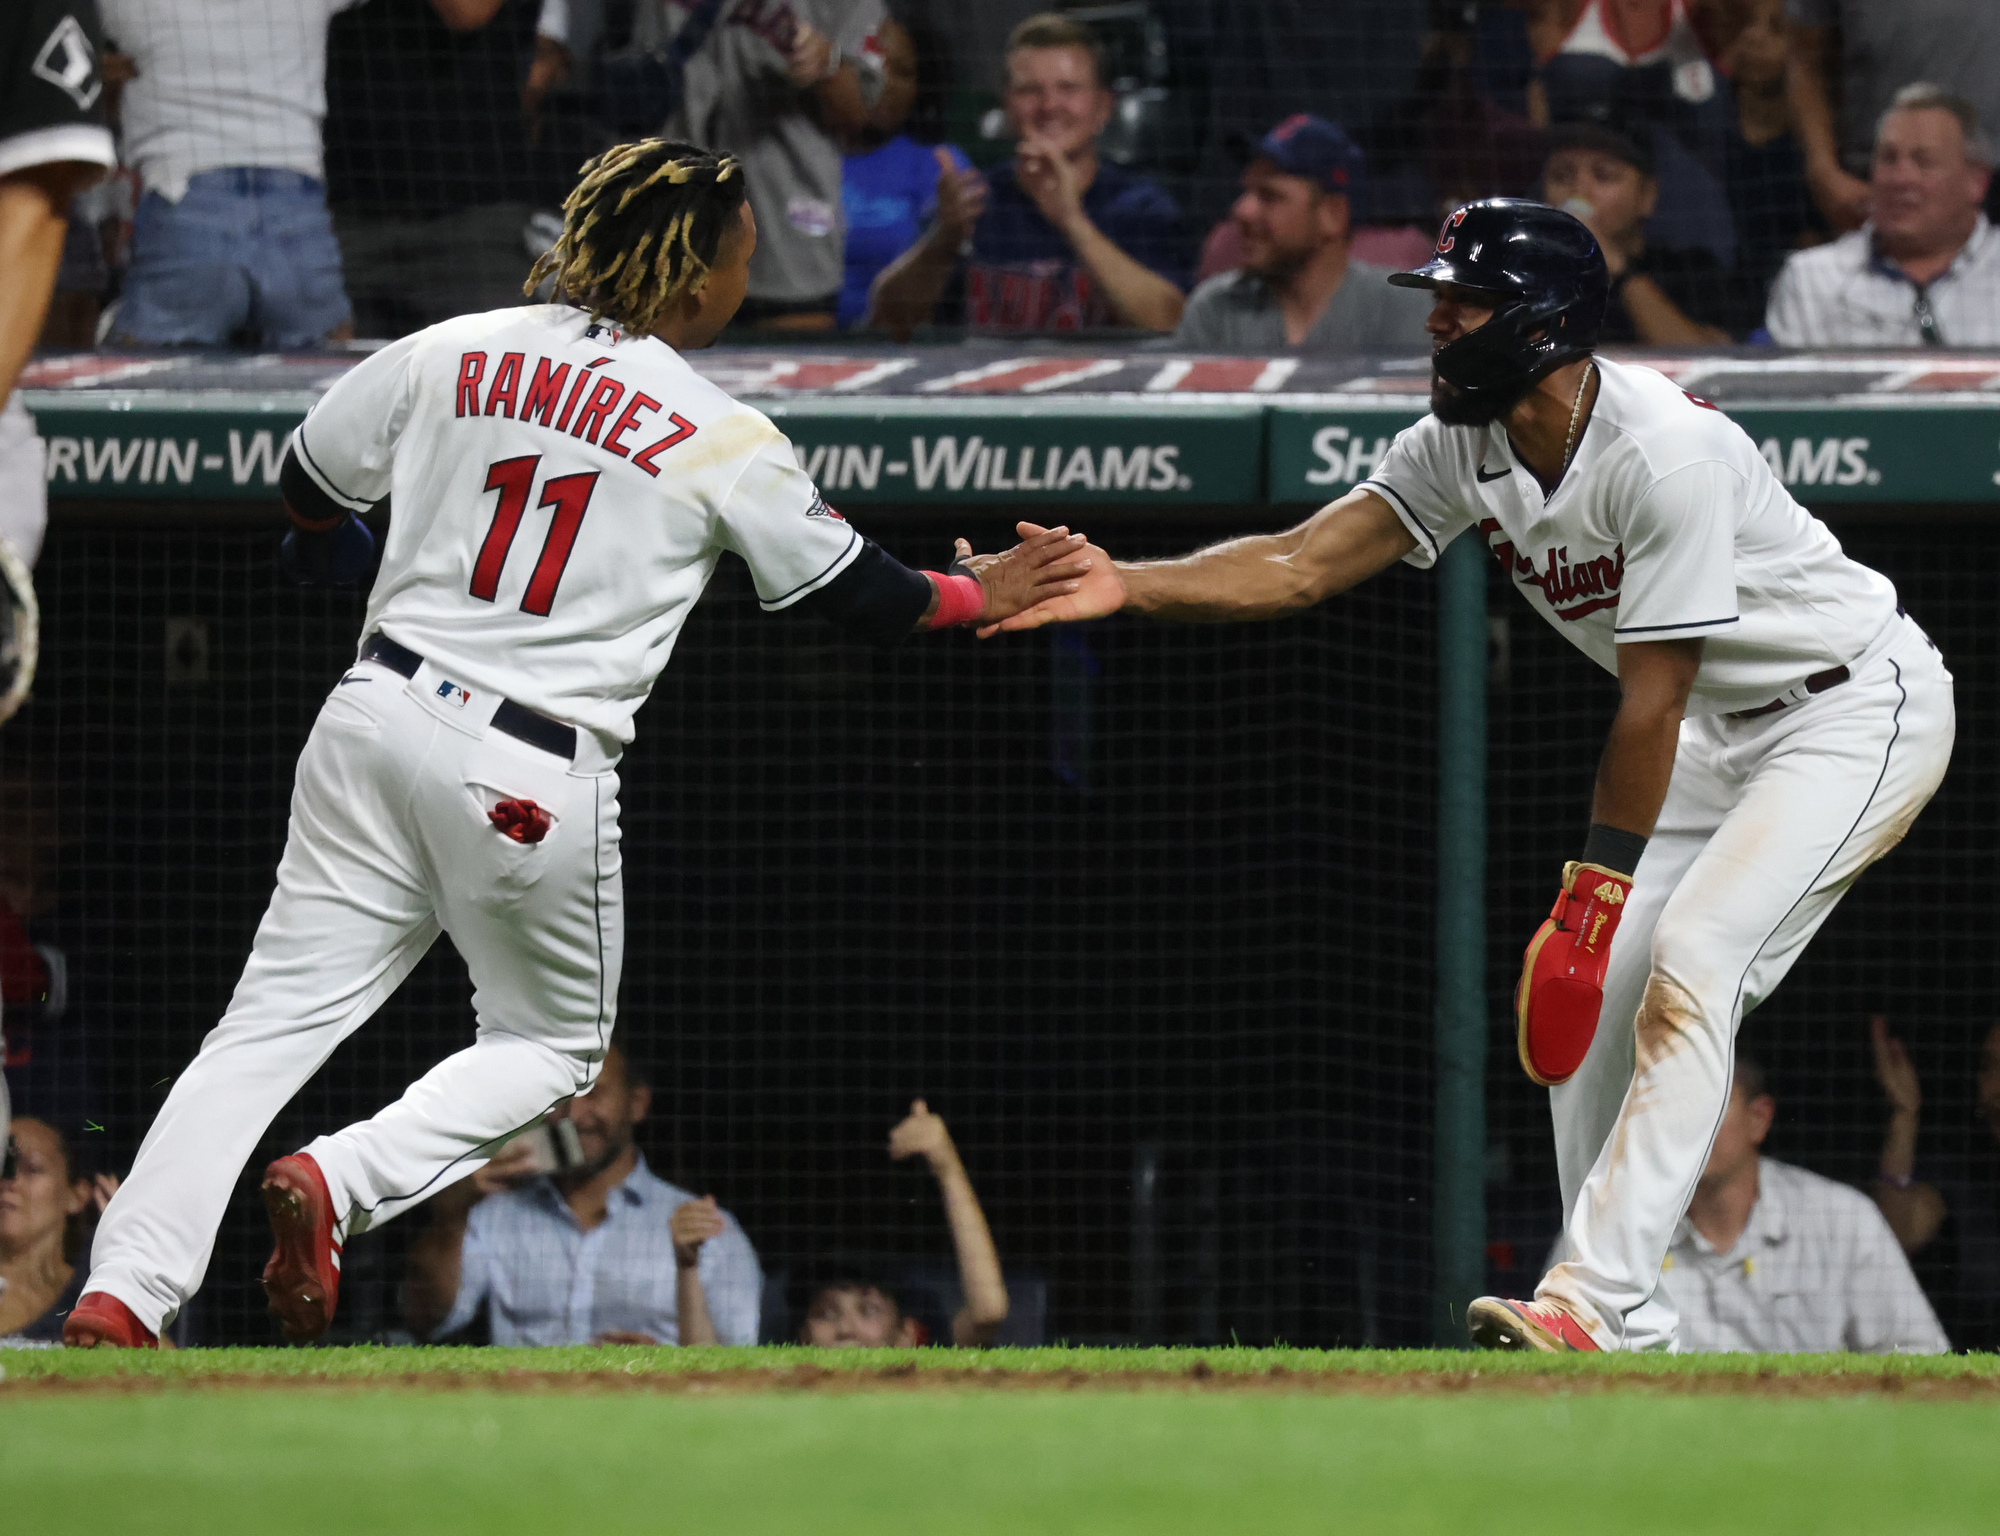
1603	173
1298	290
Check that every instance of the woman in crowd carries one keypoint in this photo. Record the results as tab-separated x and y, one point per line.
897	166
44	1211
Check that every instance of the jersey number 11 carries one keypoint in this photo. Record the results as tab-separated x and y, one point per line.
570	495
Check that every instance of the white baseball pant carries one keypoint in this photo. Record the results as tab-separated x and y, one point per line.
1766	824
390	843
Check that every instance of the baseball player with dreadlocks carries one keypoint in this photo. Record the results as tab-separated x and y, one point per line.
1781	721
564	484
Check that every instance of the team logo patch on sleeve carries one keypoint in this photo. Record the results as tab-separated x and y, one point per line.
454	695
819	508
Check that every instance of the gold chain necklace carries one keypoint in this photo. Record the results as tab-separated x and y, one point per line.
1575	415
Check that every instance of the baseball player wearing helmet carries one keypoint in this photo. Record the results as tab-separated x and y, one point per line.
1781	720
564	485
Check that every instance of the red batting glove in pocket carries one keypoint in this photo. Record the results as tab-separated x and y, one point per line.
522	820
1562	976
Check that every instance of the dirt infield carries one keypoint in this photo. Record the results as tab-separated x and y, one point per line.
1370	1373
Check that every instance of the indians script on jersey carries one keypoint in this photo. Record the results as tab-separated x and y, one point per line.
1571	590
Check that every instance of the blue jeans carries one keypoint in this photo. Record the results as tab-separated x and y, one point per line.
248	249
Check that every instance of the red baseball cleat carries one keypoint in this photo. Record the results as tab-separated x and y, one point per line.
1541	1325
100	1320
302	1279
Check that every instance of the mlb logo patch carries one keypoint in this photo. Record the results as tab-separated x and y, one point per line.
454	695
598	330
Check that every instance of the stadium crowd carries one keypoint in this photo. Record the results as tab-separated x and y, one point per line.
1807	173
1793	171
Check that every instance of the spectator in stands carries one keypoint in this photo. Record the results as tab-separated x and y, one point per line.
1872	49
45	1208
1773	1259
1066	241
898	171
222	116
1764	169
1603	173
778	86
603	1251
1925	269
1950	1221
430	171
1656	63
1299	289
851	1308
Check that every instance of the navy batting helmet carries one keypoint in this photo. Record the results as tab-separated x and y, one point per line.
1547	277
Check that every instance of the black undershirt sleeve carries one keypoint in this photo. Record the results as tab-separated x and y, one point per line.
309	504
877	598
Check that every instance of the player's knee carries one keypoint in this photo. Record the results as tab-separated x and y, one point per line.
1674	1018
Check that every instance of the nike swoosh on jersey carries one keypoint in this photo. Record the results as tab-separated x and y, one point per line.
1498	474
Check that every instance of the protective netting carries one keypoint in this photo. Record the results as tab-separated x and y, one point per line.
1143	910
1912	941
1134	897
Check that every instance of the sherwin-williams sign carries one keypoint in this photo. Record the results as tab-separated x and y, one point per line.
1065	452
223	447
1825	454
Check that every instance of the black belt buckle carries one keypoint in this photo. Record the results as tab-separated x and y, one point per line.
521	723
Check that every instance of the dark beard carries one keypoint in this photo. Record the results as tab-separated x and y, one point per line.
1455	408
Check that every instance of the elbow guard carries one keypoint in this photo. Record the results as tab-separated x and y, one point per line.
877	598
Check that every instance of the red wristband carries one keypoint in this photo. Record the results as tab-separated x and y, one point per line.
961	600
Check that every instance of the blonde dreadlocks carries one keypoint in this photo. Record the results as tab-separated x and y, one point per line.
641	229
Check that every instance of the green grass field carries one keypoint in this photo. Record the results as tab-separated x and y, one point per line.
1044	1441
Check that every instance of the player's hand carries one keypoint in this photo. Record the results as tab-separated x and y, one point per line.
509	1168
921	1134
1894	1070
1046	563
961	197
1096	594
693	1223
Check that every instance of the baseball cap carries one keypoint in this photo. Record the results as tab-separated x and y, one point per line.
1600	125
1312	147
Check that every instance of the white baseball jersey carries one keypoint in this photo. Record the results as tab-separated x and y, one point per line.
562	492
1668	525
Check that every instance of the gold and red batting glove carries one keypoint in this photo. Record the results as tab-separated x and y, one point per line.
1562	976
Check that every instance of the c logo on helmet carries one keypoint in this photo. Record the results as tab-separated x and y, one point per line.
1446	240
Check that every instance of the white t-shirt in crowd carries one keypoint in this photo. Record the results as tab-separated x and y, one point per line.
562	494
1845	295
1668	525
222	83
1816	1270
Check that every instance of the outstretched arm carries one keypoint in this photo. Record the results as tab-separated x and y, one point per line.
1914	1210
1264	576
924	1134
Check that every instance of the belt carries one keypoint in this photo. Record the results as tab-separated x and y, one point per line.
520	723
1819	682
